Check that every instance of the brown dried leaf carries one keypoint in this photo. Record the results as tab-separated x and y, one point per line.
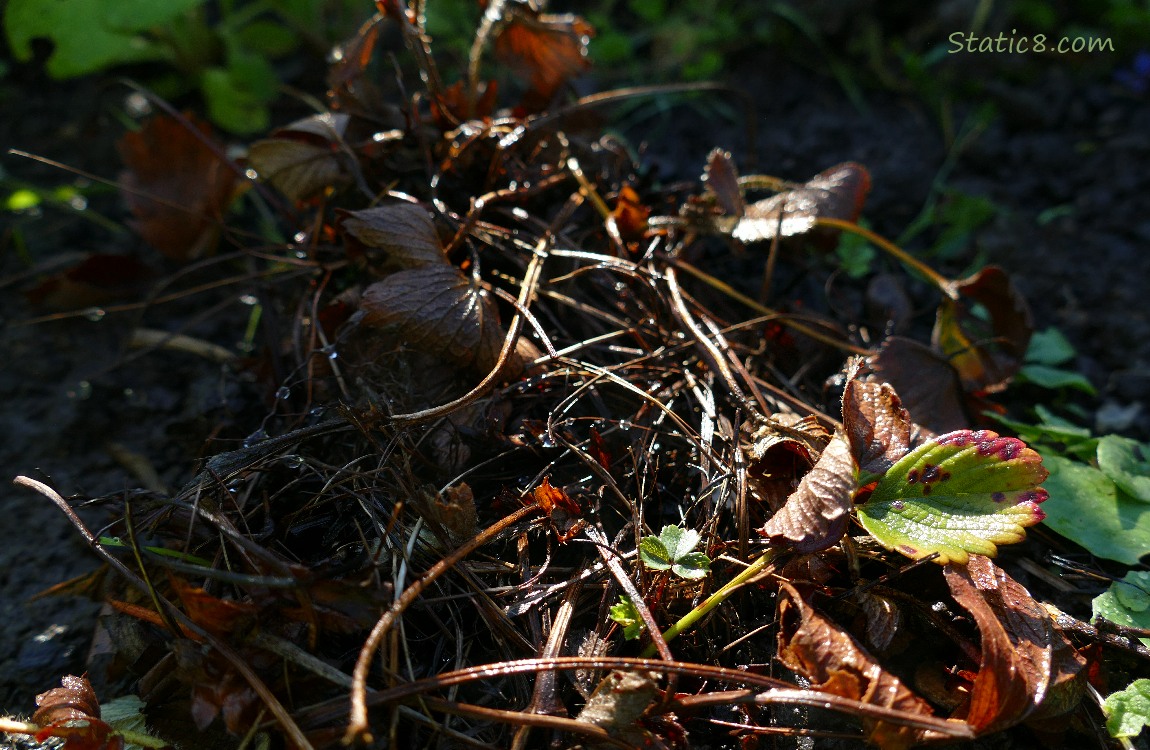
451	515
219	616
545	50
1018	645
836	193
876	424
722	180
927	385
437	310
74	701
403	230
96	280
168	162
618	703
985	353
305	158
816	648
815	516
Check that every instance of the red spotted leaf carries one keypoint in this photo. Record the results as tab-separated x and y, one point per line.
961	493
176	186
815	516
987	347
403	230
306	157
819	650
1023	656
837	193
437	310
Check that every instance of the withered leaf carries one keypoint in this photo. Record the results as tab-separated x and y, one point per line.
927	385
836	193
876	424
73	701
986	353
451	515
722	180
815	516
437	310
403	230
1019	641
176	186
618	703
304	158
816	648
545	50
219	616
96	280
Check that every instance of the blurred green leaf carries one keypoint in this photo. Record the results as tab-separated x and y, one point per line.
1126	602
1128	711
1127	463
1049	347
1085	507
1055	378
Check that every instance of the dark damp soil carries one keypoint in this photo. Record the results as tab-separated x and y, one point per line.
1063	163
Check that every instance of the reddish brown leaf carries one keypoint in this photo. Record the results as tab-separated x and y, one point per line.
451	515
1018	644
630	214
551	499
305	158
403	230
815	516
722	180
72	712
96	280
176	186
437	310
986	353
545	50
74	700
927	385
816	648
837	193
219	616
450	108
876	424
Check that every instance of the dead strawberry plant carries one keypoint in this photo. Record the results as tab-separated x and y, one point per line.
525	394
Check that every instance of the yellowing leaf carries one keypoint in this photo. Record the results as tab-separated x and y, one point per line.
962	492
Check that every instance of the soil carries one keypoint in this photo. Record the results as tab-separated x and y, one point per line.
1064	140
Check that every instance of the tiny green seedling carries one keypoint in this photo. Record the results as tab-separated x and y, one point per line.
628	616
672	550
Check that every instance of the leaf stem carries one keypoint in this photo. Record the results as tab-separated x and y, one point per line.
883	243
688	620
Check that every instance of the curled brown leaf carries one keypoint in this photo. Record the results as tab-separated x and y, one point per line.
816	648
985	350
835	193
815	516
876	424
403	230
304	158
1019	641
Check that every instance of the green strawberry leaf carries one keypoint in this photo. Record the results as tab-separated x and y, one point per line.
963	492
1127	463
692	566
1128	711
671	550
653	553
1087	508
1126	602
627	615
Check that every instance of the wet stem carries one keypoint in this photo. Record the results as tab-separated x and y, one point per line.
691	618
